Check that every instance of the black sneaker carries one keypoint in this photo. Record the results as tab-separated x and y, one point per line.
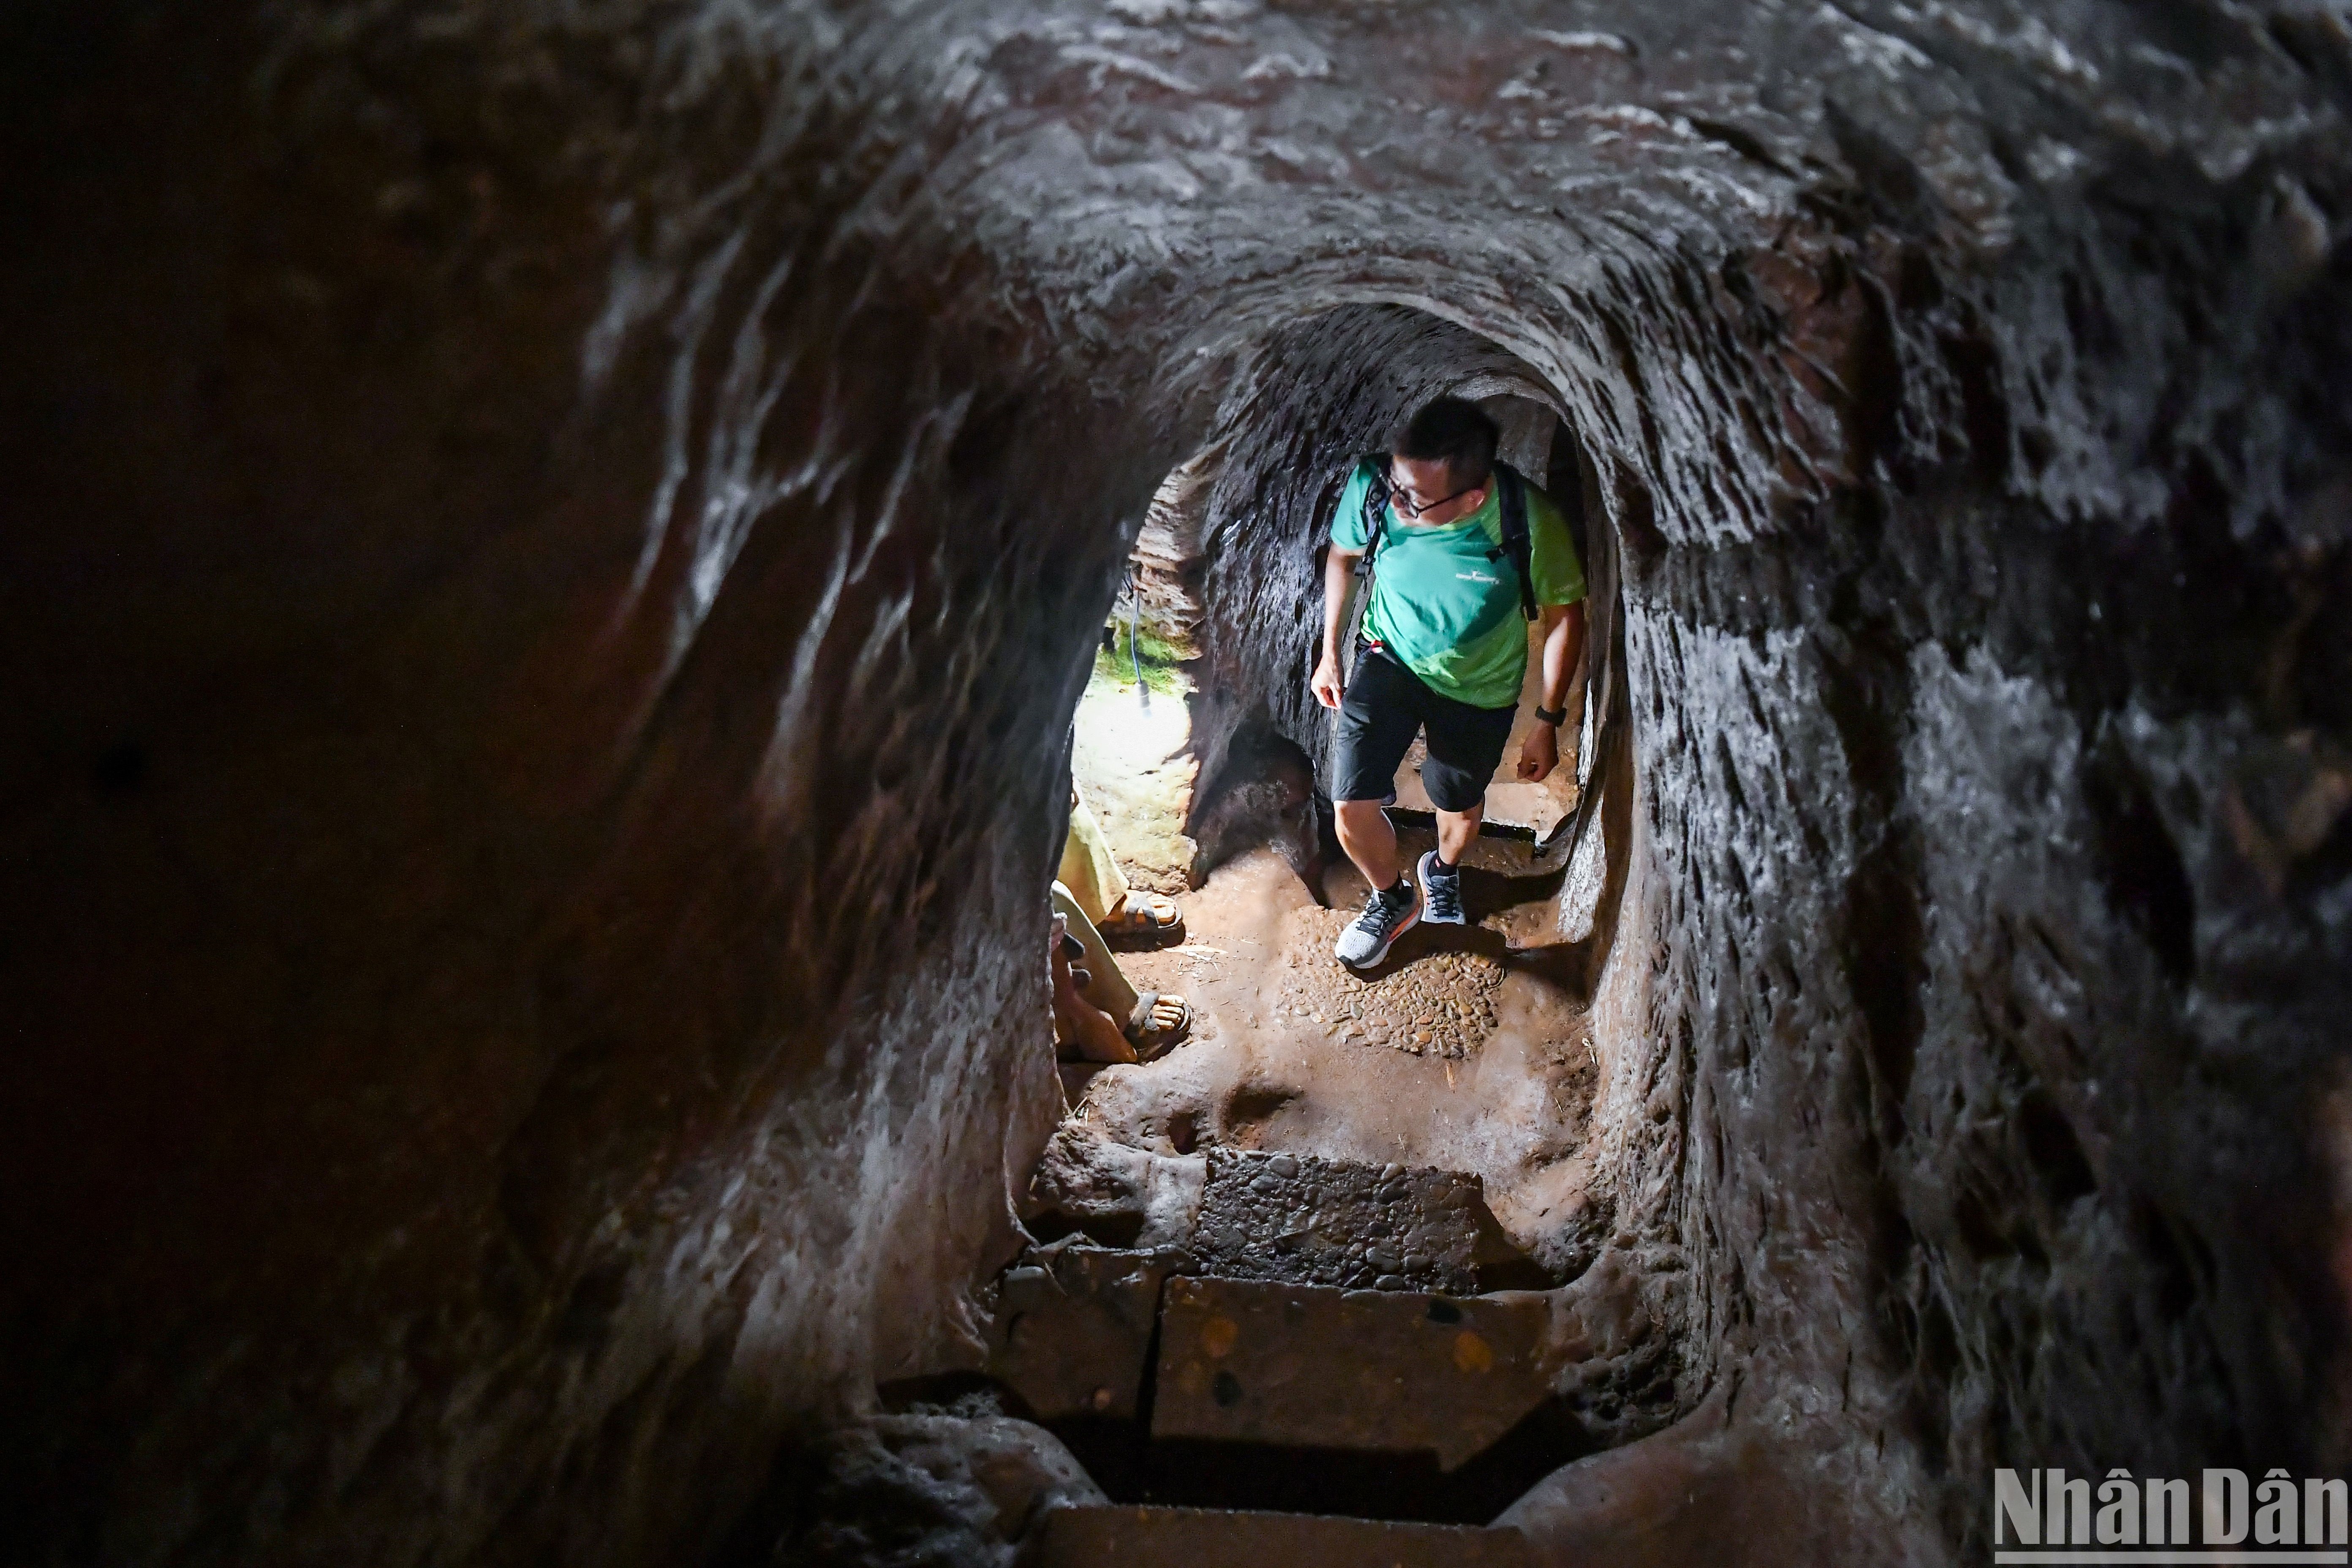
1387	916
1442	887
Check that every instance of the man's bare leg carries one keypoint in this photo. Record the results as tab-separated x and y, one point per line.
1395	904
1455	829
1438	871
1370	840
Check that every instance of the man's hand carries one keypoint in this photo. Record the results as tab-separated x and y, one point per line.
1326	685
1539	754
1563	643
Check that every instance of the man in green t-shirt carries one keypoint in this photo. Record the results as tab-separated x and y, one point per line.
1445	650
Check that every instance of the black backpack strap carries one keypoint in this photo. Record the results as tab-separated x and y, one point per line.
1512	493
1376	510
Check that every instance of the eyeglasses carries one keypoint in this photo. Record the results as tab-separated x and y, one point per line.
1407	505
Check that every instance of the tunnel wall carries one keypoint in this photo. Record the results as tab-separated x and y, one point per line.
567	541
1943	919
527	987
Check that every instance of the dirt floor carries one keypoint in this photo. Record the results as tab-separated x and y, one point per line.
1466	1050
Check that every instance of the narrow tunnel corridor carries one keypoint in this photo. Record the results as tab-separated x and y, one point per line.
557	549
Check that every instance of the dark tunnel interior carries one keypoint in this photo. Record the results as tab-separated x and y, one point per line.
554	550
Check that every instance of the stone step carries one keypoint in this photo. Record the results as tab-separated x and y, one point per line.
1296	1304
1267	1363
1072	1331
1144	1536
1375	1372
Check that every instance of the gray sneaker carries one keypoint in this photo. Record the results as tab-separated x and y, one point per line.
1443	890
1386	917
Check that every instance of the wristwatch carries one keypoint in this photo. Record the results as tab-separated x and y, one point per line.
1552	718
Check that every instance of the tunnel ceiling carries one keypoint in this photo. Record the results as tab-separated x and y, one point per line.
555	546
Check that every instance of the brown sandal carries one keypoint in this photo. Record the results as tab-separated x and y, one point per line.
1140	917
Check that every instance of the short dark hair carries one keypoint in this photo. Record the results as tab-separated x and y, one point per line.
1453	430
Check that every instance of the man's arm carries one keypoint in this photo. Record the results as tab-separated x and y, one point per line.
1338	571
1563	645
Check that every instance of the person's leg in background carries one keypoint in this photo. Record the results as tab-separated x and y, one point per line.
1082	1031
1108	988
1089	870
1093	875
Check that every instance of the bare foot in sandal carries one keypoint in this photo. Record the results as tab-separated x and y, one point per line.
1143	914
1159	1025
1084	1031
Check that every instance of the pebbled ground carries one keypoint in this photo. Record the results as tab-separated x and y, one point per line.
1296	1219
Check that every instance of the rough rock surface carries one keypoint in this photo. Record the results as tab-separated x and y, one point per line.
1114	1194
553	548
922	1490
1167	561
1264	794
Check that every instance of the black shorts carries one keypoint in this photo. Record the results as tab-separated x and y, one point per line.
1386	705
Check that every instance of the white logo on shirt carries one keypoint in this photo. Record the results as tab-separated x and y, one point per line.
1474	577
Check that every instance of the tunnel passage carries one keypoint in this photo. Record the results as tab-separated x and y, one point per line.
1334	1166
562	543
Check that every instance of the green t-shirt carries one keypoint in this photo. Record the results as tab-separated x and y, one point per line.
1444	609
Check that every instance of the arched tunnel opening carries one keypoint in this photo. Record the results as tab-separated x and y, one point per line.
1325	1153
556	553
